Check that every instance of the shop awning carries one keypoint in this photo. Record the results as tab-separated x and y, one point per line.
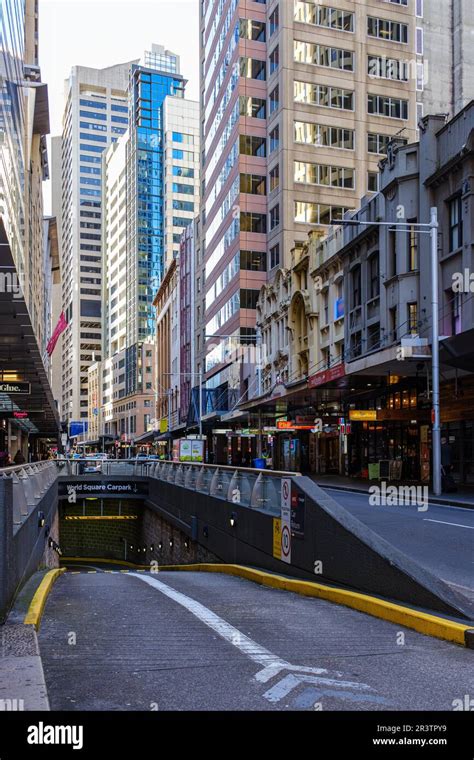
458	351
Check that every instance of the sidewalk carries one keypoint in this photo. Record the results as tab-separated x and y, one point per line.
464	496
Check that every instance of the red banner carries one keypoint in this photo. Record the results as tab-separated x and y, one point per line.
60	327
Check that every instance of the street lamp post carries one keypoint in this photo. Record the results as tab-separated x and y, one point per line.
432	230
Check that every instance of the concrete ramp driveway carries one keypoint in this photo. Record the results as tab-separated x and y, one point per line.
115	640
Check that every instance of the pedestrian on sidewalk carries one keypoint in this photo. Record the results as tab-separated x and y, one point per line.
19	458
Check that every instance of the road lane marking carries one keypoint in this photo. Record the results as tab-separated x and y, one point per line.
272	664
457	525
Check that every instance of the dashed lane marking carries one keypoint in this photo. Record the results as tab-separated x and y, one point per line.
443	522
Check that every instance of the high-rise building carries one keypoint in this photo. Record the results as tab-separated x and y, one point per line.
150	194
444	40
28	247
299	102
95	115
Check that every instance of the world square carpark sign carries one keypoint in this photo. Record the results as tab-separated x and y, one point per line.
111	488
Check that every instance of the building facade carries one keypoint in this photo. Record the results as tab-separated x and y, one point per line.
95	115
150	194
358	309
299	101
28	246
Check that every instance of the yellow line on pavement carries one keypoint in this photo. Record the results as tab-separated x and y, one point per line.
423	622
37	604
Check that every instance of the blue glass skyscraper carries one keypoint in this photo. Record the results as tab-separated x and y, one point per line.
150	84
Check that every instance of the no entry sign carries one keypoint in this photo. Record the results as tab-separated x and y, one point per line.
286	520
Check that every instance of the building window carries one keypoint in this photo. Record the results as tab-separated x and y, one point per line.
387	68
412	246
274	59
355	286
373	179
374	282
252	68
321	15
324	136
275	216
413	318
274	21
253	261
275	256
256	108
322	174
385	29
323	95
274	177
248	298
455	312
254	184
253	146
323	55
455	224
252	30
316	213
274	99
274	139
378	143
393	108
250	222
419	41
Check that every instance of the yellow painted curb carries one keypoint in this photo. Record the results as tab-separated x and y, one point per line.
423	622
37	604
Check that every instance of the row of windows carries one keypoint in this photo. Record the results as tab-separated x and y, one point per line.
321	15
323	55
102	105
317	213
321	135
323	95
322	174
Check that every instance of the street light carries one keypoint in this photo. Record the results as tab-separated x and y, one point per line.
433	232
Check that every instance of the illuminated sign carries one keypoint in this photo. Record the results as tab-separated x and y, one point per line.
14	387
363	415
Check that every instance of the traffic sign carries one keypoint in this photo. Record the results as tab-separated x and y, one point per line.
286	520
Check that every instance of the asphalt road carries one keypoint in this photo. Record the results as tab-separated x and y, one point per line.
439	538
201	641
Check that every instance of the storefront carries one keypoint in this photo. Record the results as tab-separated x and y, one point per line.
457	428
392	428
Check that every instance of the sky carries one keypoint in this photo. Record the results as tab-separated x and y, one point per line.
101	33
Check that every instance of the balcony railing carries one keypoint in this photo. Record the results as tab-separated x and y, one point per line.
244	486
30	484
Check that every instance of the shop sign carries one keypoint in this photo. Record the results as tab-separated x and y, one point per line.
282	425
20	415
13	387
103	488
363	415
326	376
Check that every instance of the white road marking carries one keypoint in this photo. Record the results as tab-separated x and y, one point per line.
431	504
272	664
457	525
